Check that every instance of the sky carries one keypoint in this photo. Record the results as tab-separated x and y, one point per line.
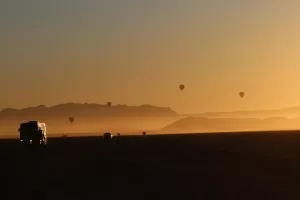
138	52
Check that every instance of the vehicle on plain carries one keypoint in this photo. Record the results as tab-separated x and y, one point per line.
108	136
33	132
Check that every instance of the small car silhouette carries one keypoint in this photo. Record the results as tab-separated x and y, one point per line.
108	136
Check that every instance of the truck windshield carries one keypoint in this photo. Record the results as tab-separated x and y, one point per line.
29	126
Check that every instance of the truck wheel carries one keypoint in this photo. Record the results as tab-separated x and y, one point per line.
43	143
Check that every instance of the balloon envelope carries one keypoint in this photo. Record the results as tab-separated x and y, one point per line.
242	94
109	104
71	119
181	87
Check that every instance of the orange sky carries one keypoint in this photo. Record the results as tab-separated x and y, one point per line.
138	53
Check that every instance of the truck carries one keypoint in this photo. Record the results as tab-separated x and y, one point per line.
33	132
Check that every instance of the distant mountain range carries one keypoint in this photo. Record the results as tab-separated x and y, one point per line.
291	112
100	111
201	124
97	117
85	110
121	118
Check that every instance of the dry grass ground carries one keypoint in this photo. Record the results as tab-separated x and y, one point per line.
257	165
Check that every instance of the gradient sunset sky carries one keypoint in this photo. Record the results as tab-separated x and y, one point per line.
137	52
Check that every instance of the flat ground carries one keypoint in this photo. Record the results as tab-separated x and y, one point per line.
262	165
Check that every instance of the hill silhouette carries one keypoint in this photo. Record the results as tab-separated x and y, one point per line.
201	124
290	112
85	110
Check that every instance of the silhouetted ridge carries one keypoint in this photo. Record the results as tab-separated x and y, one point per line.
291	112
201	124
87	110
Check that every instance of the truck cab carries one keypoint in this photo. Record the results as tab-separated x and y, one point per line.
33	132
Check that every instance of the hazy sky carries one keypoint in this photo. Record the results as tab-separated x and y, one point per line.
138	51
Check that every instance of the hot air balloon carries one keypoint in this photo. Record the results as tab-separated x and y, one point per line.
71	119
109	104
181	87
242	94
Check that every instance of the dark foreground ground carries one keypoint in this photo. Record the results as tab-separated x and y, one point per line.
198	166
